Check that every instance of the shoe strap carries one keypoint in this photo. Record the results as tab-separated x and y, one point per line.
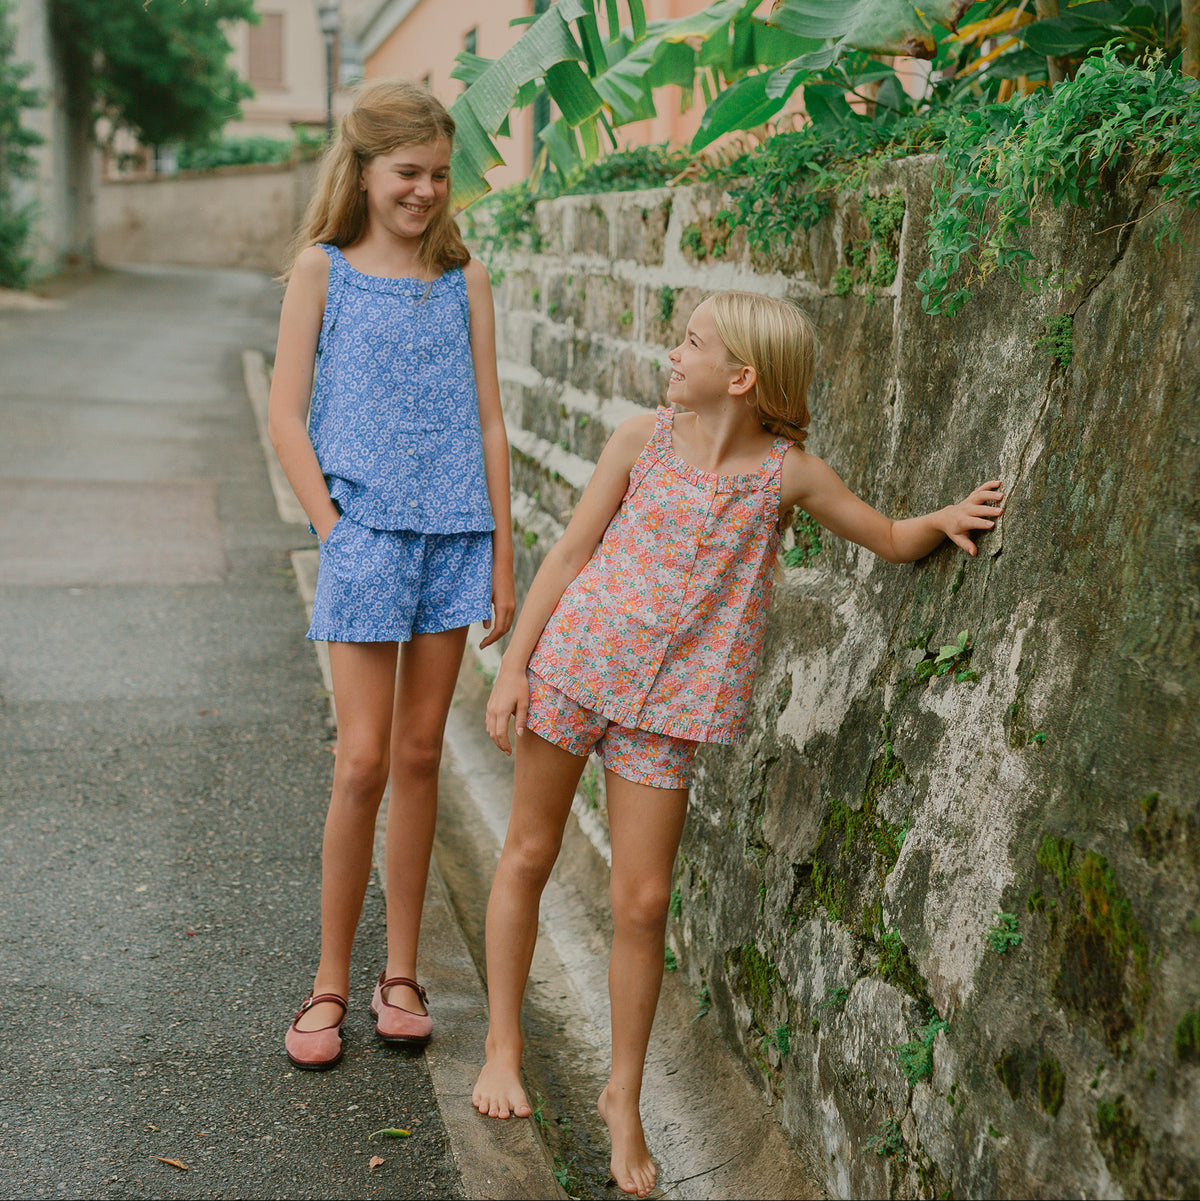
310	1001
384	985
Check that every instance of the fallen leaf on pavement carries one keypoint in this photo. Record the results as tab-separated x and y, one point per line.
374	1162
175	1163
390	1132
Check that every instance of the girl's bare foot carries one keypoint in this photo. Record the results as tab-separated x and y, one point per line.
631	1165
498	1092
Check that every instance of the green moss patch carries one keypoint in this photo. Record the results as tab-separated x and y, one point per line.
1051	1085
1099	955
757	978
1187	1037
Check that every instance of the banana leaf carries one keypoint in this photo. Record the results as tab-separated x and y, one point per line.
878	26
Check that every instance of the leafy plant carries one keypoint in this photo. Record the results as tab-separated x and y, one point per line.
1003	934
808	544
1058	339
232	152
835	998
999	161
781	1040
888	1143
16	159
916	1056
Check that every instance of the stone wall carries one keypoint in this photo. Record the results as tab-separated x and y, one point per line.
841	870
230	217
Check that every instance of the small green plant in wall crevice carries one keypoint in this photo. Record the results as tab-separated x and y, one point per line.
1003	934
915	1057
808	543
888	1143
1058	339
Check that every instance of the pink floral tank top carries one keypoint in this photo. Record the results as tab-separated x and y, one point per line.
663	627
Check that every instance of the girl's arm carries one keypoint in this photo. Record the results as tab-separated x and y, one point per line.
817	489
291	387
495	447
566	559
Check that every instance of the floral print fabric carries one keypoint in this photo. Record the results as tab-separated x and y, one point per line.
395	414
638	755
663	627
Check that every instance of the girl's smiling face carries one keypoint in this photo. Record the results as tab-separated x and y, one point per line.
700	366
407	186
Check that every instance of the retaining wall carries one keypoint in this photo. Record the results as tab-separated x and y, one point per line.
229	217
842	869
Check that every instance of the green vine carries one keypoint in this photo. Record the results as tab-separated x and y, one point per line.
1113	121
16	158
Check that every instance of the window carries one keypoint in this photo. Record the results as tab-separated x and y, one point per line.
265	68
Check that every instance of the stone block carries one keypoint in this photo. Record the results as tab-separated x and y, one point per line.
566	296
593	365
550	349
550	225
609	306
590	232
666	311
640	222
641	376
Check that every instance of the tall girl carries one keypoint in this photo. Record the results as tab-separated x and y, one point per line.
639	639
399	457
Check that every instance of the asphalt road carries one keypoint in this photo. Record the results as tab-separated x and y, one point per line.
165	760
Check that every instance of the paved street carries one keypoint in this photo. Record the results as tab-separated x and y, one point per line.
165	759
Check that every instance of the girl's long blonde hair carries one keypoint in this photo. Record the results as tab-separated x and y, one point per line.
385	114
779	342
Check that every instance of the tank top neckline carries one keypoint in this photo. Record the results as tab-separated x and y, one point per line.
737	481
388	283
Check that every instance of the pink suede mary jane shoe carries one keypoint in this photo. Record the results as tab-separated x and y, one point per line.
397	1025
315	1050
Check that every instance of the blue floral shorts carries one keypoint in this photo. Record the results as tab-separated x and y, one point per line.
387	585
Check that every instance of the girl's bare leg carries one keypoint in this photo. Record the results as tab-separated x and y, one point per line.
364	676
645	826
429	667
544	783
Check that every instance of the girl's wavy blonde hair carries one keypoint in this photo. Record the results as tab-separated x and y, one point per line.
384	115
779	342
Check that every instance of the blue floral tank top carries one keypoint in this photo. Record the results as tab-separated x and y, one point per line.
395	413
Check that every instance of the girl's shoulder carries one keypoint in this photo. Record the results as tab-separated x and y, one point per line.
309	276
476	279
312	260
801	473
632	436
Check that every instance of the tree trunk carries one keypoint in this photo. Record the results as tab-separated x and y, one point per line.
1190	10
75	155
1056	68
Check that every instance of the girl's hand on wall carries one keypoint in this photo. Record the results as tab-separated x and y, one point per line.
978	512
510	695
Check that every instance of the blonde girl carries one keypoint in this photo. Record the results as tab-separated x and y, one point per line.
385	415
639	639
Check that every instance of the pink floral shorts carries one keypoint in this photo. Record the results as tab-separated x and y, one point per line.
641	756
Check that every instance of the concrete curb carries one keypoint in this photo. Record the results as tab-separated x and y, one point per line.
498	1161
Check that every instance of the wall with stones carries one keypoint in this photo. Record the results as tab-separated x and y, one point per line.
841	870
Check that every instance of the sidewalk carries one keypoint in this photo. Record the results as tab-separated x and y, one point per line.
164	770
